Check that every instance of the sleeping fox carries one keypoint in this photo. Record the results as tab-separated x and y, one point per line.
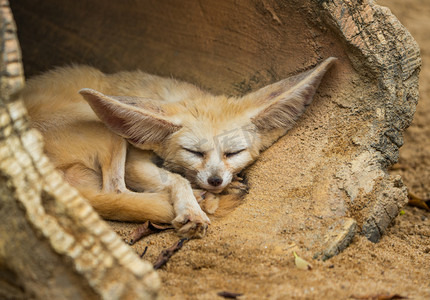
141	147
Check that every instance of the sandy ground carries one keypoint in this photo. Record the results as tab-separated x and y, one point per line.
398	264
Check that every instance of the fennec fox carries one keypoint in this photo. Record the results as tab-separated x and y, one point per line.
138	153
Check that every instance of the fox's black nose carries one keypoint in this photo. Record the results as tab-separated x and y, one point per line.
215	180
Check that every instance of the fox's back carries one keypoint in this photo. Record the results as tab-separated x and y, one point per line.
52	99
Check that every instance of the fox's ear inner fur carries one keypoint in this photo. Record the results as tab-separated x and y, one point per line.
136	123
282	103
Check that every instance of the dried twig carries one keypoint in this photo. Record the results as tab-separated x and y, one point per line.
379	297
144	252
146	229
229	295
166	254
419	202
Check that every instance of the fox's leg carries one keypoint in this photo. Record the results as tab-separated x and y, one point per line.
123	206
140	181
113	167
142	174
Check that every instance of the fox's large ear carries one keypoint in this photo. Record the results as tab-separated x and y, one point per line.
138	120
280	104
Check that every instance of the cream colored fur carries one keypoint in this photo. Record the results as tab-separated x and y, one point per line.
137	155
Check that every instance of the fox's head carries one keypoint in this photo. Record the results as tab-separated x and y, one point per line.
206	138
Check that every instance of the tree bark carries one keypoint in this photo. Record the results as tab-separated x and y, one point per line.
53	245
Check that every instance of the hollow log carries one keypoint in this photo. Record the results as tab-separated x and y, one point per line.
317	187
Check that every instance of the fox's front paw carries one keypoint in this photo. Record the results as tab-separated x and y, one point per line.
191	224
208	202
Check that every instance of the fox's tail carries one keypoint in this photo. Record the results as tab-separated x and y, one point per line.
131	206
227	203
233	196
155	207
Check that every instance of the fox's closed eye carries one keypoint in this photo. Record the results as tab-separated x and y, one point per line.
196	153
231	154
